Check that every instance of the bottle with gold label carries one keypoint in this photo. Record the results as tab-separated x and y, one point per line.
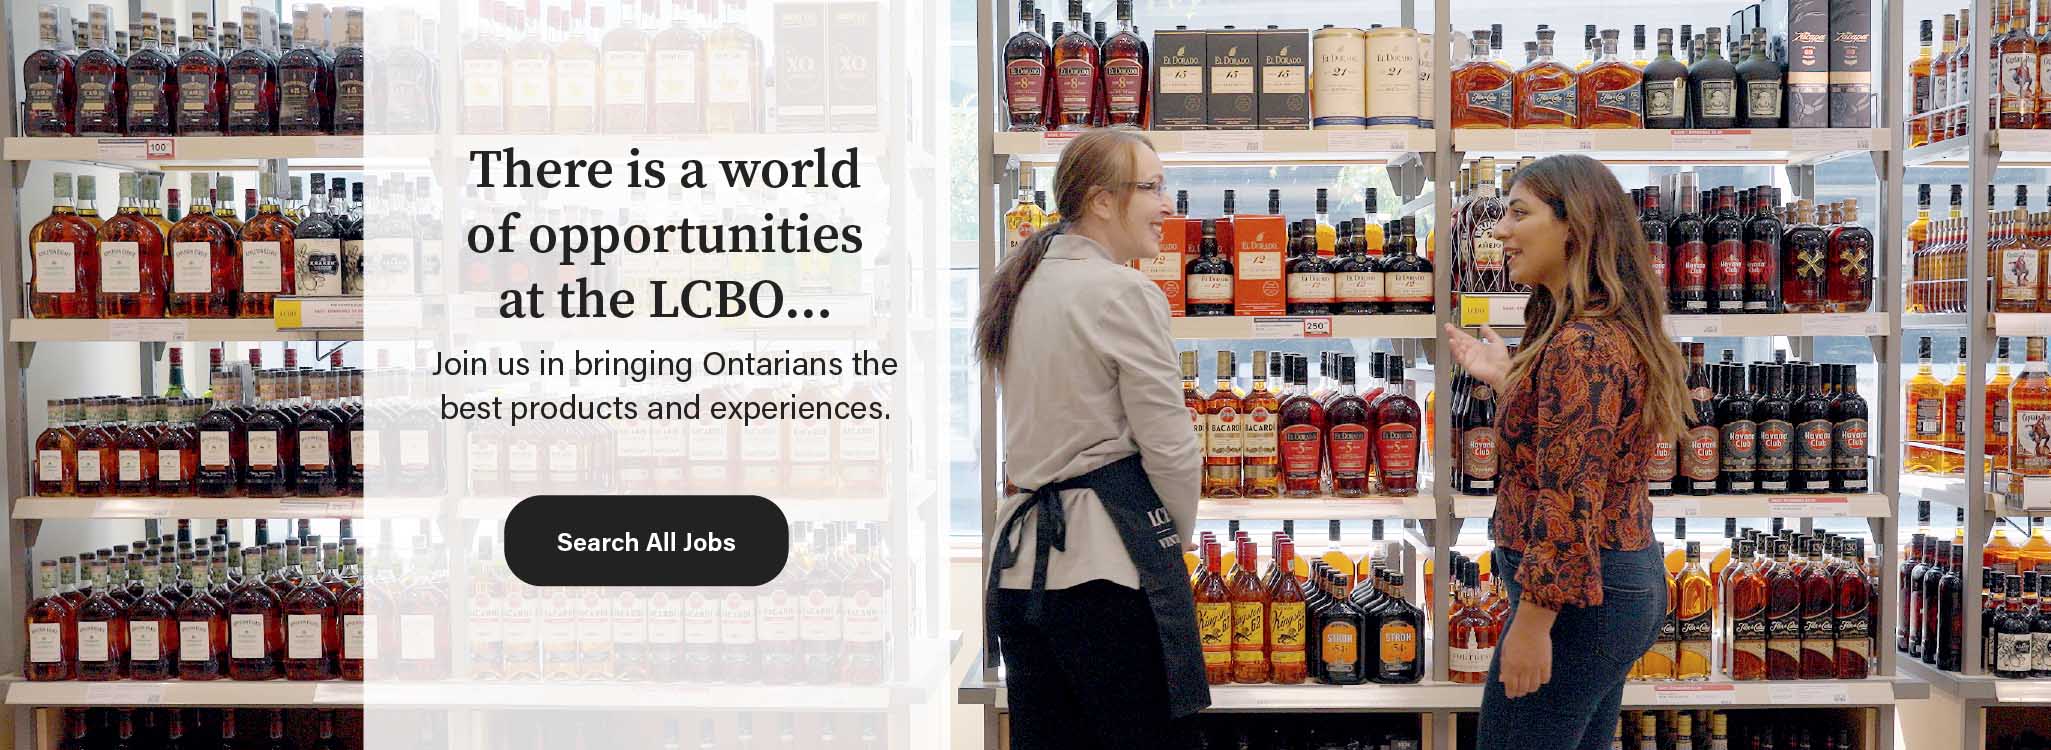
1925	408
1249	617
1261	412
1696	608
2029	403
1952	461
1399	631
1288	620
1022	220
1341	626
1213	616
1224	422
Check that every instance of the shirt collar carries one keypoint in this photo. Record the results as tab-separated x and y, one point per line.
1071	246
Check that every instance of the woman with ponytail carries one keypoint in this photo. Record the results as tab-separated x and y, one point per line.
1089	607
1595	385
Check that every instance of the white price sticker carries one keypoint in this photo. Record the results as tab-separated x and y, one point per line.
1842	324
1054	143
339	146
1554	140
1712	140
118	694
1222	141
1694	325
1711	694
1277	328
1833	139
1810	507
1676	508
1808	695
1367	140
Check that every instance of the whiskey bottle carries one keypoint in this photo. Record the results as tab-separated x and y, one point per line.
49	78
1610	90
1546	94
1302	435
65	276
1482	88
1714	85
1397	435
102	79
202	84
52	633
1126	66
1224	446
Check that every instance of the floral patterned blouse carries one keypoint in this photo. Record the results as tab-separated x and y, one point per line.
1573	482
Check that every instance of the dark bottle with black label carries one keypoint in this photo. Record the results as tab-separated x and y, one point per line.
1848	416
1774	412
1740	451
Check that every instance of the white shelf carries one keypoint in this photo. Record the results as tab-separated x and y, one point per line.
2020	324
1784	324
1426	696
210	329
189	507
1730	506
642	695
1734	146
179	693
1319	509
1970	687
1298	327
1872	691
1946	489
147	149
2019	147
846	508
1263	146
1913	321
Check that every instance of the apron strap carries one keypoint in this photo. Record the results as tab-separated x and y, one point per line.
1050	533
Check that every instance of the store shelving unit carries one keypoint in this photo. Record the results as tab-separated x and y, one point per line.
1448	696
217	149
25	330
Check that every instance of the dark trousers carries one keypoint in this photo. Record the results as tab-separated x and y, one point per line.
1089	674
1592	652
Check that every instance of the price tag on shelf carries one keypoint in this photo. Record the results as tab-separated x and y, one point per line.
1367	140
1473	310
1694	325
1554	140
137	149
1676	508
1708	694
1317	328
1054	142
118	694
338	692
1712	140
1810	507
338	146
1507	310
1808	695
1833	139
146	330
1291	328
1222	141
1841	324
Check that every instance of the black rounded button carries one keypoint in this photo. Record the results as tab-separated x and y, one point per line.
646	540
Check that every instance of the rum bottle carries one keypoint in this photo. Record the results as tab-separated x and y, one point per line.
1475	634
1076	86
202	84
1260	416
135	451
1850	282
1310	276
1714	84
102	631
1213	617
1763	234
1759	82
1853	617
102	80
1224	451
1482	88
206	266
202	628
65	274
49	78
1026	85
1815	433
1399	638
96	452
1666	87
252	73
1288	624
1783	618
1610	90
255	631
1819	630
57	453
1727	253
1688	236
1546	93
1746	598
1397	435
1208	278
1696	610
350	77
1701	445
313	633
131	261
1302	436
152	631
1249	618
52	630
1126	95
1849	433
273	449
1350	434
152	81
2030	403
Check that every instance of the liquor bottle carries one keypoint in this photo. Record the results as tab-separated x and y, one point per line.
272	447
1311	284
734	76
1408	275
252	77
2013	646
1689	291
102	631
1399	634
1475	634
205	263
1806	254
1931	608
52	633
1763	234
1302	436
1213	617
1850	281
1341	637
1208	278
323	446
360	635
351	82
1224	444
1854	616
131	261
625	74
1249	619
255	630
1358	281
1740	435
1849	433
1726	237
1610	90
96	450
268	266
313	633
1696	611
102	80
66	272
1950	606
1654	224
1714	84
2040	623
1126	92
152	82
1759	82
1076	83
1783	617
1926	424
1953	416
152	628
1287	626
1546	90
1482	88
1818	631
49	77
1666	87
2030	403
306	81
202	628
1396	436
202	84
1700	451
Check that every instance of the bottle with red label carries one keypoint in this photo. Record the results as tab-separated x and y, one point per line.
1026	58
1726	238
1848	472
1349	436
1125	74
1762	253
1303	434
1700	450
1774	412
1398	435
1689	292
1655	226
1077	87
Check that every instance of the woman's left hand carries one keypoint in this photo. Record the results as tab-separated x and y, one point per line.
1526	654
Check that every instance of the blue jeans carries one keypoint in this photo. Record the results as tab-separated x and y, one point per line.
1592	652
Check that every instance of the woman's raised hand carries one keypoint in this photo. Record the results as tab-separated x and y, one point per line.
1487	358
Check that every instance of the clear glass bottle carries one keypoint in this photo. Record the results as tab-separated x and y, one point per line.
202	84
102	78
49	78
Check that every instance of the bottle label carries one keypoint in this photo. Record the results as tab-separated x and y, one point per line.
1495	100
213	450
2043	103
1659	261
1997	406
1125	83
1398	645
2040	651
626	78
1762	100
262	267
776	617
1622	100
50	466
1740	445
1776	445
92	641
1075	87
1487	251
313	449
576	83
246	637
1410	286
302	636
1310	288
1471	660
145	641
484	82
1691	262
1358	286
1286	629
1701	461
1257	437
1561	101
1812	452
2020	277
1849	445
416	637
819	614
195	93
1730	267
1667	99
1719	98
56	268
1929	424
862	617
1396	449
295	96
2032	444
676	76
1350	450
1661	468
1210	288
1232	79
2018	87
1227	427
88	465
1339	648
145	94
192	268
1249	632
46	642
263	449
195	642
128	466
1259	265
2016	652
120	268
1181	79
1478	456
1302	451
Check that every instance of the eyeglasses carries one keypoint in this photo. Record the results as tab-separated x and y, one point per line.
1157	188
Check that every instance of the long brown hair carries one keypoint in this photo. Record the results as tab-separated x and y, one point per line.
1611	277
1097	160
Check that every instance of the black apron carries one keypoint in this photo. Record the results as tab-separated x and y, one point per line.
1156	550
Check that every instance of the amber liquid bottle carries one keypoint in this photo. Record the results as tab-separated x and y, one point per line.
1223	454
313	632
1125	75
1745	593
1483	88
1288	623
255	631
202	84
102	80
152	631
1077	85
102	631
2030	402
267	259
1852	615
1783	618
252	73
1475	633
1850	282
206	268
52	631
1249	618
1350	437
131	261
1302	435
1213	617
1027	58
1546	95
65	274
96	454
1610	91
1261	415
56	454
1696	611
1397	435
1819	632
